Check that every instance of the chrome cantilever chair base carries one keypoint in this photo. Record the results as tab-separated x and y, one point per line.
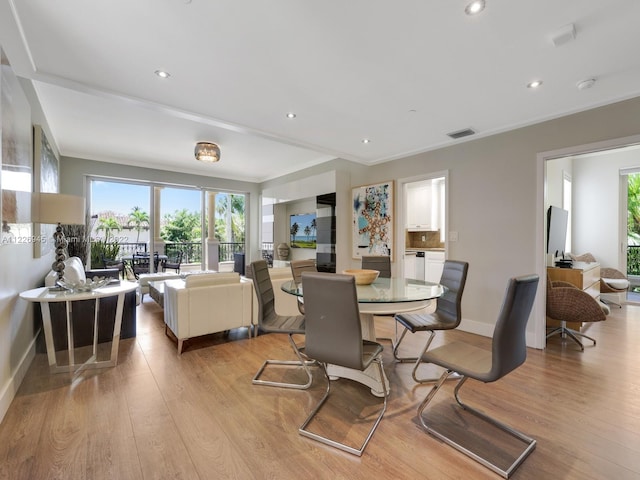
301	362
347	448
505	473
418	360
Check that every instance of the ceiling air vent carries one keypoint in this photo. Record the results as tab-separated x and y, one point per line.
461	133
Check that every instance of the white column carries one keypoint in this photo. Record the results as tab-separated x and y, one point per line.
157	242
213	245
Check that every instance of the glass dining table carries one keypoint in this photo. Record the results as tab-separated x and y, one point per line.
383	297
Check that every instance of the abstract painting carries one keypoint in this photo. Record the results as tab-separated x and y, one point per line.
373	217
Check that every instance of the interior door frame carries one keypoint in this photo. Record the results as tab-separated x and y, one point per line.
539	340
401	220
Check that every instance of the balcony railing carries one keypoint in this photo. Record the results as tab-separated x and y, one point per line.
192	251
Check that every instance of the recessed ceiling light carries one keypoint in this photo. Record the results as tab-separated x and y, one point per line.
586	84
474	7
291	115
162	74
534	84
366	140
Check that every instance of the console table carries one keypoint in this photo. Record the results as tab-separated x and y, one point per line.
45	296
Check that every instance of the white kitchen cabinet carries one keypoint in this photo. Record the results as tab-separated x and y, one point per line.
434	264
419	207
410	265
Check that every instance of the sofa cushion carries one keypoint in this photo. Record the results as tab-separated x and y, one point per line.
211	279
617	283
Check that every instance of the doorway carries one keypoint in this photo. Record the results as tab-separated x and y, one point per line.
423	219
598	203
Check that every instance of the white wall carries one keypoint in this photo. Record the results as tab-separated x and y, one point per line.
19	271
496	202
597	192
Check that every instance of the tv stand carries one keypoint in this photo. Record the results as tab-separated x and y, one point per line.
564	263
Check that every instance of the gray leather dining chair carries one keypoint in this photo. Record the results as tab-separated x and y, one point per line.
508	352
334	336
270	322
297	267
377	262
447	315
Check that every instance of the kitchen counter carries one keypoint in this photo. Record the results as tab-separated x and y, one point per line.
412	249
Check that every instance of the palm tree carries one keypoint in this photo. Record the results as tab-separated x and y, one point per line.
138	218
108	224
294	231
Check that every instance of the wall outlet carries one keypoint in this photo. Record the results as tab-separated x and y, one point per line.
424	238
453	236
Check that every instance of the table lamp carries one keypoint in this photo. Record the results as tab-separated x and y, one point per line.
57	208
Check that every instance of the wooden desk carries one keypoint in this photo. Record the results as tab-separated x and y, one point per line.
583	275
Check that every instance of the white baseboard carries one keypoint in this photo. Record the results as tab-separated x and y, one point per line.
9	390
486	330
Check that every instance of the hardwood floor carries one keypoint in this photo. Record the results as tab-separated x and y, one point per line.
197	416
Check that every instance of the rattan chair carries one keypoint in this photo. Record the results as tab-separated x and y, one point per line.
297	267
334	336
270	322
508	352
613	283
447	315
567	303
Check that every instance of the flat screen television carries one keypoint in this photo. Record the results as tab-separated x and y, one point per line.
557	224
302	229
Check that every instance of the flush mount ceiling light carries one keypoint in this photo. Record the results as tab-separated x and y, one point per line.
207	152
474	7
366	140
535	84
291	115
162	74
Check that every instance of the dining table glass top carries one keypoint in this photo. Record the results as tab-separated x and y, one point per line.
385	290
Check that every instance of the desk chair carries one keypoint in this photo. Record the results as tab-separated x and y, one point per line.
508	352
297	267
334	335
567	303
270	322
447	315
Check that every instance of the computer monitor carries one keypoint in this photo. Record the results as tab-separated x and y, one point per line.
557	223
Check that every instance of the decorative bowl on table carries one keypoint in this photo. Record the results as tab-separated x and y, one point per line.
88	285
363	276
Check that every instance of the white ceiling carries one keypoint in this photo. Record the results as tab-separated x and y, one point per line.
402	73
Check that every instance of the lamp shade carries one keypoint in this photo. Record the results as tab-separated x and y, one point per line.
207	152
53	208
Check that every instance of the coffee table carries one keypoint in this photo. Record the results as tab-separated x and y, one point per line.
156	291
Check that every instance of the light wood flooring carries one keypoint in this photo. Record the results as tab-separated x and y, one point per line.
158	415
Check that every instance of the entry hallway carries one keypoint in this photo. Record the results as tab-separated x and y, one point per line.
197	416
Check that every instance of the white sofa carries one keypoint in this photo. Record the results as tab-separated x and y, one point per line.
285	304
207	303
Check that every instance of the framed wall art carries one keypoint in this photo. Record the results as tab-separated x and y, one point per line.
45	179
372	222
16	158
